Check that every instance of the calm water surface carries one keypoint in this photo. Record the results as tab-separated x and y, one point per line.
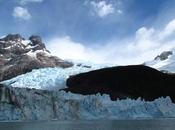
151	124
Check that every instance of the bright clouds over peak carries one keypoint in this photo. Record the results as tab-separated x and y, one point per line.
21	13
144	46
168	30
120	31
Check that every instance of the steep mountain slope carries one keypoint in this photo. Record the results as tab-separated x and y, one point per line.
18	56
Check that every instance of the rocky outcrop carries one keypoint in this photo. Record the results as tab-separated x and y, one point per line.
124	82
18	56
163	62
5	95
36	41
164	55
13	37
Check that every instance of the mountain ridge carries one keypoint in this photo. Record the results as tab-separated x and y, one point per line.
19	56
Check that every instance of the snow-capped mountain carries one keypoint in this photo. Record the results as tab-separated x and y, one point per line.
18	56
164	62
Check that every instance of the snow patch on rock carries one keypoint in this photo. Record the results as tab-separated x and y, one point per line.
25	42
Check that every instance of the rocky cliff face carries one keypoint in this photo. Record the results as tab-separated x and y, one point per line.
18	56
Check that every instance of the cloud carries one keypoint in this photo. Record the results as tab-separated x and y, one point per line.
119	11
144	46
23	2
168	30
21	13
66	48
102	8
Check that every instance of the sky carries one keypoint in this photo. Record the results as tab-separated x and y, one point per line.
99	31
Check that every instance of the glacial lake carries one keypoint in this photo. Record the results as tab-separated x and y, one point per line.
146	124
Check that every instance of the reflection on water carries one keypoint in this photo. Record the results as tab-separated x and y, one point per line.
156	124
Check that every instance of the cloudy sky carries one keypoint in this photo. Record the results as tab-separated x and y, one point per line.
100	31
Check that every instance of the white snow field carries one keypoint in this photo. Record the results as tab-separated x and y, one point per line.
167	65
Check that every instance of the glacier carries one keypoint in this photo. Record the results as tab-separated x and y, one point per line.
33	104
37	97
50	78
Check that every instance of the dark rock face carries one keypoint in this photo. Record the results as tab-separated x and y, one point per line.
17	57
7	95
37	42
35	39
13	37
164	55
124	81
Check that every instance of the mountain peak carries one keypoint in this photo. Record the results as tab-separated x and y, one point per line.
12	37
15	43
35	39
18	56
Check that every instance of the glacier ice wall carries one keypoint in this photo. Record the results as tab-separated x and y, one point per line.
32	104
48	78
